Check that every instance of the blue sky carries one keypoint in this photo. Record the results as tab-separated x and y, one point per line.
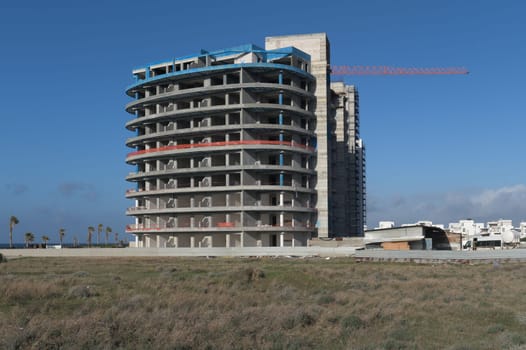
439	148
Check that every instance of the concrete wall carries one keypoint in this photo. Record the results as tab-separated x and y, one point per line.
317	46
181	252
412	255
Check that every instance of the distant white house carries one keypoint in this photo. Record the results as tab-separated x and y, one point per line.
385	224
468	227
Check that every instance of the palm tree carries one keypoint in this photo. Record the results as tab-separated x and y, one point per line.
116	237
90	232
12	222
61	234
99	231
29	237
45	239
108	231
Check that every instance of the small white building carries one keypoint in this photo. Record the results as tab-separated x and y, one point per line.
500	226
385	224
467	227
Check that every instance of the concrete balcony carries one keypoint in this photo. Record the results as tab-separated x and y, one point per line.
219	169
134	211
187	132
205	91
217	109
238	188
264	228
223	146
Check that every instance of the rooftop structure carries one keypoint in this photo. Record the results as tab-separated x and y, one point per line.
236	147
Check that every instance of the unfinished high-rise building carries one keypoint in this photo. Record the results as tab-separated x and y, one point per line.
245	146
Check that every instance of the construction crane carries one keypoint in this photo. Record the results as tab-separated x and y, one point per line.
388	70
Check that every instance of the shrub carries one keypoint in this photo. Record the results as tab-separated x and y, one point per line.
81	274
2	258
254	274
326	299
351	322
82	292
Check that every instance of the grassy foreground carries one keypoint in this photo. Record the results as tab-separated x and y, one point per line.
175	303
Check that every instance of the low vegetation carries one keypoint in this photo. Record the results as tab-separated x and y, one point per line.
169	303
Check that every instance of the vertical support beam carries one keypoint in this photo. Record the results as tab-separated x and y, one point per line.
227	240
192	242
282	239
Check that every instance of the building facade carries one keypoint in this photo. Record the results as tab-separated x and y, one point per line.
348	163
233	147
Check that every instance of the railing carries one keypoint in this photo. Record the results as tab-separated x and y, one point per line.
137	208
133	190
223	143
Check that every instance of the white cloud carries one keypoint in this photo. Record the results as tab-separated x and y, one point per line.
442	208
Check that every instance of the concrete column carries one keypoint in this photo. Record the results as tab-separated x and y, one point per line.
242	236
147	241
227	240
192	242
282	239
176	241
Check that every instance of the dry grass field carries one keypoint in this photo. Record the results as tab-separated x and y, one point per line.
176	303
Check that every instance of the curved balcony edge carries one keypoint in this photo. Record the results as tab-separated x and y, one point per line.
137	211
262	228
206	90
187	190
214	69
220	169
214	109
223	145
133	141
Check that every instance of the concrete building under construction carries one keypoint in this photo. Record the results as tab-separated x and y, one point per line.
245	147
